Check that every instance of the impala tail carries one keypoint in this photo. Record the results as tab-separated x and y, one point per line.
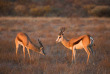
91	44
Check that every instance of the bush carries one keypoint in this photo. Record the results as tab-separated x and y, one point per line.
100	11
20	10
56	11
89	7
40	11
6	8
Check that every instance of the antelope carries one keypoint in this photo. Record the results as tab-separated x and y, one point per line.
83	42
24	40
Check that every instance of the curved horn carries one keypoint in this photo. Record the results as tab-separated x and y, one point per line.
62	30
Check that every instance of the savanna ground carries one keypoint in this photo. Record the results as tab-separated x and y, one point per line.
58	59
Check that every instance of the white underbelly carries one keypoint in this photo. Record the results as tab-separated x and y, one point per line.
79	45
20	43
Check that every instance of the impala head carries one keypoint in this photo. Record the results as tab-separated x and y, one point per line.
60	35
41	48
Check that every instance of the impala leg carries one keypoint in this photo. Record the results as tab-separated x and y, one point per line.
73	54
28	52
24	51
17	46
88	53
91	49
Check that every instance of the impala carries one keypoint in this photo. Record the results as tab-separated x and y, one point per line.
24	40
83	42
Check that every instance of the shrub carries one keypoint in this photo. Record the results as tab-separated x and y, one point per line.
57	11
6	8
47	9
36	11
40	11
100	11
89	7
20	10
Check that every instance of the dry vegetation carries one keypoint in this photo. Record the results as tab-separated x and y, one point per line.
54	8
58	59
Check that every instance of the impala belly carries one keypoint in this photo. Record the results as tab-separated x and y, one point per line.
20	43
79	45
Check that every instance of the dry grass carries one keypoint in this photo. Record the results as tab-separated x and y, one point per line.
58	59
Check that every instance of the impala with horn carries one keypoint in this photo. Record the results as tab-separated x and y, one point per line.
83	42
24	40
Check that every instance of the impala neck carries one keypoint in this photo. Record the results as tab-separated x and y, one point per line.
65	42
34	47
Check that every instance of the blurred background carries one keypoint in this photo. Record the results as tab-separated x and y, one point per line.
55	8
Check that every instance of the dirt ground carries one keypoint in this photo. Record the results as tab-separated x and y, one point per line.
58	58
